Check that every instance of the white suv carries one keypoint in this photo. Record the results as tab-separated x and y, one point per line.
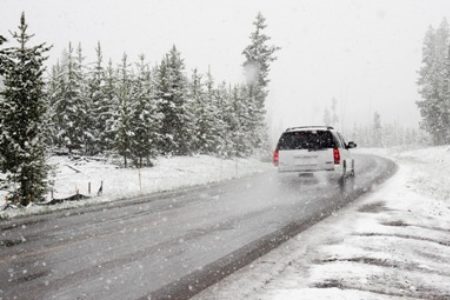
314	149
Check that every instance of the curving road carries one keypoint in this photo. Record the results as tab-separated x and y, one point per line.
168	245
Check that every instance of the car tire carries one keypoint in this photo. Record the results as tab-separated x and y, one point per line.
343	176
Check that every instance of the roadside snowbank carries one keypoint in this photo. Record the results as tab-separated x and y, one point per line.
171	173
392	244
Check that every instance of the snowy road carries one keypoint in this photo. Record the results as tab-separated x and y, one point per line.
169	244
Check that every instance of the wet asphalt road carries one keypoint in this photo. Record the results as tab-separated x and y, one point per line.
170	244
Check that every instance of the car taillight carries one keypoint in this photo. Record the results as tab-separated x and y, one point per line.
336	156
275	157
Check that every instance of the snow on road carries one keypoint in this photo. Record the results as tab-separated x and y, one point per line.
393	243
168	173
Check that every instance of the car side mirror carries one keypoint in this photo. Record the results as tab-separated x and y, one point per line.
351	145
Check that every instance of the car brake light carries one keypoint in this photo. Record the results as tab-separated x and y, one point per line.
275	158
336	156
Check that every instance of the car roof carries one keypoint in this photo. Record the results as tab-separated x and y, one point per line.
308	128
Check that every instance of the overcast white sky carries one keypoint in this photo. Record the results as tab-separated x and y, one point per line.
364	53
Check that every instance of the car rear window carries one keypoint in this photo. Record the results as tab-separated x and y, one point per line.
311	140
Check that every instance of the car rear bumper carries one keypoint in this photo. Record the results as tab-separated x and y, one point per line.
329	170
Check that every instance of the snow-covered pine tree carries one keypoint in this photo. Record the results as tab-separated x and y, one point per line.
22	110
163	96
433	78
252	122
70	107
205	113
214	115
87	122
258	57
123	122
177	123
196	94
153	123
101	104
52	96
58	103
238	121
224	103
445	103
110	108
52	83
425	81
145	122
442	50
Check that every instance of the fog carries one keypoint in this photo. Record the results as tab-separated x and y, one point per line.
365	54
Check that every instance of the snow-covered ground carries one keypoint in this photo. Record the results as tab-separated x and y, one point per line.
394	243
168	173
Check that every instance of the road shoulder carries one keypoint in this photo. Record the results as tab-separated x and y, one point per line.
120	185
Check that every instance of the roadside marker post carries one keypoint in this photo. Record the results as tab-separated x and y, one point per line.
100	190
140	181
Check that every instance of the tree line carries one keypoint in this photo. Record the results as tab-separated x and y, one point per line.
383	134
134	109
140	111
376	133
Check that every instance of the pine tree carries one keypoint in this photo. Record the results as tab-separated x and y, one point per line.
109	108
123	121
205	113
101	103
258	57
58	104
22	110
87	119
439	101
238	121
223	103
444	104
70	107
197	96
213	117
177	126
145	122
52	96
433	84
